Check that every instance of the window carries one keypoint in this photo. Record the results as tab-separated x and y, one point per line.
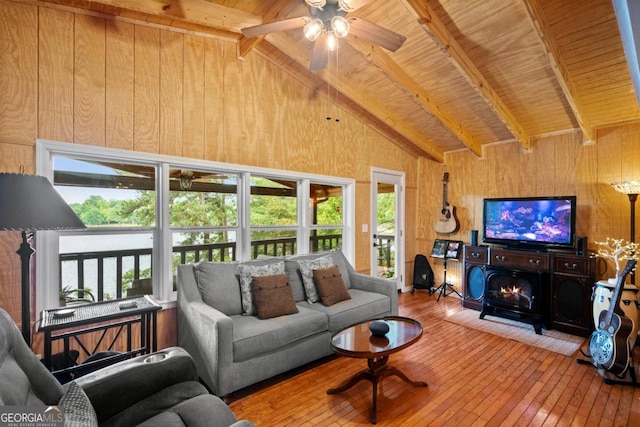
326	216
148	213
203	215
273	212
117	202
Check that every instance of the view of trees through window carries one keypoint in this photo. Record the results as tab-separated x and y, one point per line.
118	203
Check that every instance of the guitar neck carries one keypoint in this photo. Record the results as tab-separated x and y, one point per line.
617	292
444	196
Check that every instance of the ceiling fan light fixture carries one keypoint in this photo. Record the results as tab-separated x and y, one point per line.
313	29
340	26
344	5
316	3
332	41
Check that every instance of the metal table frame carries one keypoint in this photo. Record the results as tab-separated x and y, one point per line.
140	310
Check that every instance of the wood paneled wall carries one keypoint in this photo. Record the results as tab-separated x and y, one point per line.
557	165
92	80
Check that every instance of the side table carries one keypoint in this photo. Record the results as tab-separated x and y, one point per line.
71	323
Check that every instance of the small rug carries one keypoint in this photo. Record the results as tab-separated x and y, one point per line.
552	340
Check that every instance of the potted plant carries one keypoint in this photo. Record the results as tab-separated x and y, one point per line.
66	293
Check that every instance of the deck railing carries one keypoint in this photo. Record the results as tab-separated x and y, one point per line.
139	258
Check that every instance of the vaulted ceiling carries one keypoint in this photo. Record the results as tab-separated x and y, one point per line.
471	72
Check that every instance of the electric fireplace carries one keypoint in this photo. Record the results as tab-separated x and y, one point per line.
515	295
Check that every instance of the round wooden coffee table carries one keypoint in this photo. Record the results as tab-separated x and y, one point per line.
357	341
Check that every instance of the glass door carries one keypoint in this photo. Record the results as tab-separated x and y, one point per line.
387	225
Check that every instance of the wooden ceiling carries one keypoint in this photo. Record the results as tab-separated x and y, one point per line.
472	72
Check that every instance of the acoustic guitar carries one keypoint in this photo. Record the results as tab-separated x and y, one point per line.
609	343
447	221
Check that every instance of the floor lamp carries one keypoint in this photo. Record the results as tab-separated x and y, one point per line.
29	203
631	189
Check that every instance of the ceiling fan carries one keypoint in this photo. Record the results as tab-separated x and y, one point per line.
326	24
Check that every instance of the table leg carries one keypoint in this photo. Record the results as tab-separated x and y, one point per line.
378	369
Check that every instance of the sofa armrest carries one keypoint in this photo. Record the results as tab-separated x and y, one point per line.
375	284
114	388
207	334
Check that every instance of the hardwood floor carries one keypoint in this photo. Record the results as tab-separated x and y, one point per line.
475	379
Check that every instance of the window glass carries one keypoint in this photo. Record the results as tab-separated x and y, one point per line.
326	202
273	202
325	239
109	265
190	247
202	199
107	194
273	243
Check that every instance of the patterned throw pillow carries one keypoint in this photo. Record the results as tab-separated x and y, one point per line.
330	286
272	296
76	407
247	272
306	271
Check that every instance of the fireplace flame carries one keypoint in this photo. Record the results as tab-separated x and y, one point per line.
513	290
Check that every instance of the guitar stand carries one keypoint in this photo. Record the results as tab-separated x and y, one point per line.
442	289
630	369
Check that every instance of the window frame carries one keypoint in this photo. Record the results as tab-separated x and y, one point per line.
47	241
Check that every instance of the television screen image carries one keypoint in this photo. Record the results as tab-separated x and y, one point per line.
544	221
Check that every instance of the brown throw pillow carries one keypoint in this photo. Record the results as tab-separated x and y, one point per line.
330	285
272	296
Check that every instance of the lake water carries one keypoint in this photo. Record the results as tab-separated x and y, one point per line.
98	243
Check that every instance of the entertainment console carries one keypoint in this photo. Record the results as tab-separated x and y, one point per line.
550	289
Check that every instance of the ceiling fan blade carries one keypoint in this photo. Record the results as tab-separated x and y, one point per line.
319	58
355	4
376	34
287	24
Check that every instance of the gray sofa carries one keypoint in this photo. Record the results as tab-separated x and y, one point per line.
234	350
151	390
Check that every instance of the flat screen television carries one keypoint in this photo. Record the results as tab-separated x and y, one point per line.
530	222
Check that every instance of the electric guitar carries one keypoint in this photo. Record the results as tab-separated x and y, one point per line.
446	222
609	343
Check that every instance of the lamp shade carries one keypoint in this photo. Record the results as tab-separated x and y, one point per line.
627	187
30	202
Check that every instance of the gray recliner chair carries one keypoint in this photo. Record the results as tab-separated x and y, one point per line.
160	389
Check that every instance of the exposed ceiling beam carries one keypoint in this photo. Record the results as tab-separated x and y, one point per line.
400	77
199	12
541	24
436	29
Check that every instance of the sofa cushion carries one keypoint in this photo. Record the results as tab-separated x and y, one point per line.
250	269
306	271
272	296
340	261
292	269
253	337
219	286
363	305
330	285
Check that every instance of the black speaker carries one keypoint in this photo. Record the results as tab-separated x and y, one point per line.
581	246
474	238
473	286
